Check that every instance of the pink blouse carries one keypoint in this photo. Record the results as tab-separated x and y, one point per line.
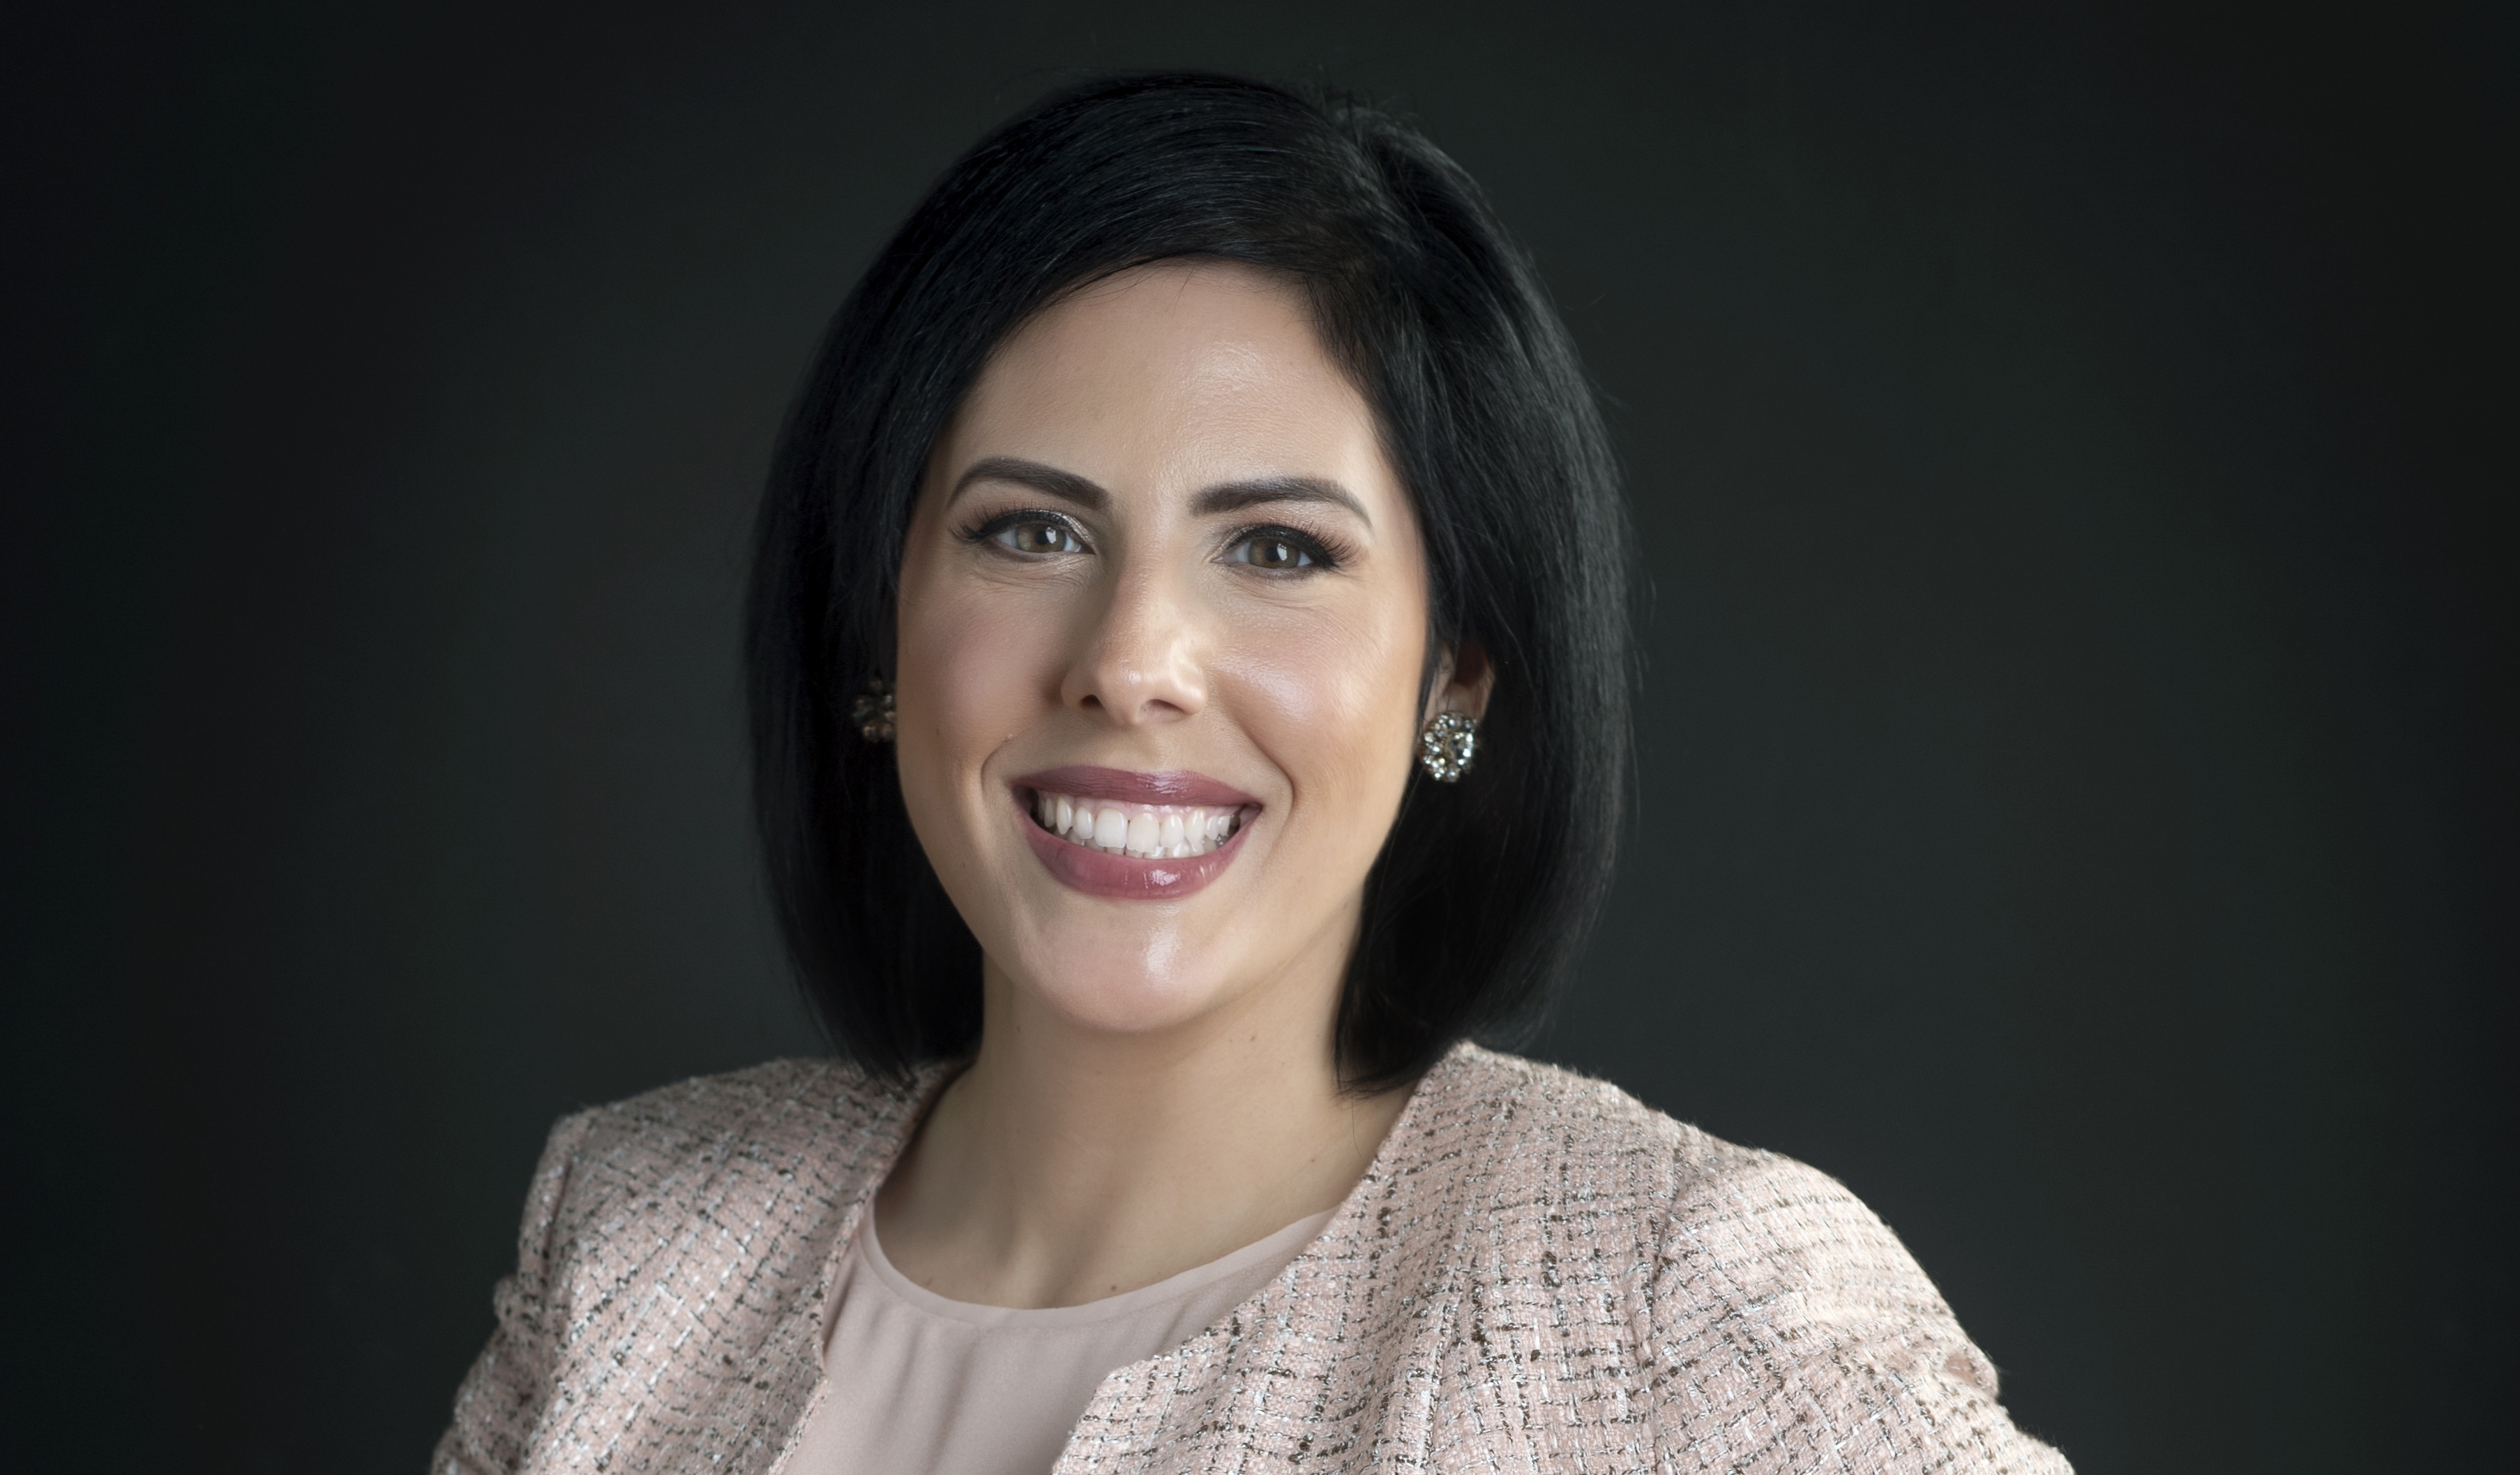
933	1385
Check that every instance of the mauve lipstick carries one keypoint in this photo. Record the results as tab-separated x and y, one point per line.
1125	878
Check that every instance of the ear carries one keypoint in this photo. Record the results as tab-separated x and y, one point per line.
1463	678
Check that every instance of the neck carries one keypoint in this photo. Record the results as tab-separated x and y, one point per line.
1071	1163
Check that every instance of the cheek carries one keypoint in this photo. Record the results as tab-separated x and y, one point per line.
969	669
1331	701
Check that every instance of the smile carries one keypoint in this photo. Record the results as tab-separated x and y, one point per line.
1148	831
1133	836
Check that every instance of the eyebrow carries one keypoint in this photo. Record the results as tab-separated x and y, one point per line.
1066	486
1228	497
1235	495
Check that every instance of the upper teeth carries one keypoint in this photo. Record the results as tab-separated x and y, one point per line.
1148	831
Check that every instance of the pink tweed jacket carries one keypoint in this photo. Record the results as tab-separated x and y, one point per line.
1538	1272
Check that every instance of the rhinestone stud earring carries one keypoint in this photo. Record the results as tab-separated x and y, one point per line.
872	711
1447	746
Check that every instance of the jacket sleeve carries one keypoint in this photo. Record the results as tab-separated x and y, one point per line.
1789	1329
502	1399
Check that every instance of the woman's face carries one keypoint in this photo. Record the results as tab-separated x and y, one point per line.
1164	619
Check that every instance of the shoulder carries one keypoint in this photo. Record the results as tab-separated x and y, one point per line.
817	1124
1752	1293
1554	1138
1716	1242
770	1099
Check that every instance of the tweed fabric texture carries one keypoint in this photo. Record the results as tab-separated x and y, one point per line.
1538	1272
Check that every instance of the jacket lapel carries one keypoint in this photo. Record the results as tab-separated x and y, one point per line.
1331	1365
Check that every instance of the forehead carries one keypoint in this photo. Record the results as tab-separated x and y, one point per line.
1172	377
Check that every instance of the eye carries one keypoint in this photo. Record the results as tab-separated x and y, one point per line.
1037	536
1276	550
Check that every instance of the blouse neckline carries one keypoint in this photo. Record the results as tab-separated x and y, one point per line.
1281	1245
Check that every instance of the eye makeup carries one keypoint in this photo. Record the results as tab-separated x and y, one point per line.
1317	551
995	530
1296	549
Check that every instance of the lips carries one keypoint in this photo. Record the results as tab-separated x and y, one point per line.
1129	836
1127	786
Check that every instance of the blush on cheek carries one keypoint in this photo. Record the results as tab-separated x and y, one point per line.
1331	714
969	674
972	668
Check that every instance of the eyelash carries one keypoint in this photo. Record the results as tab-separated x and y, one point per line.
991	529
1326	553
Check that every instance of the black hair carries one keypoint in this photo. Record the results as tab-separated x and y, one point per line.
1484	891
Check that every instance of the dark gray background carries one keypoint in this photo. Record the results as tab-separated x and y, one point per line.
2067	451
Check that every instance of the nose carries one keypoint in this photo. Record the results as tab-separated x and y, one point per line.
1141	662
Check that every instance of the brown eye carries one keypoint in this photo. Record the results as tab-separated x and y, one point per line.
1274	551
1040	536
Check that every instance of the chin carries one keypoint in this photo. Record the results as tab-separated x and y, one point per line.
1137	992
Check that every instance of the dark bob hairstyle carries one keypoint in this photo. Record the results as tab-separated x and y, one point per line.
1484	891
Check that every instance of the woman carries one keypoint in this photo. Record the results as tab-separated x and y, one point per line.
1190	700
